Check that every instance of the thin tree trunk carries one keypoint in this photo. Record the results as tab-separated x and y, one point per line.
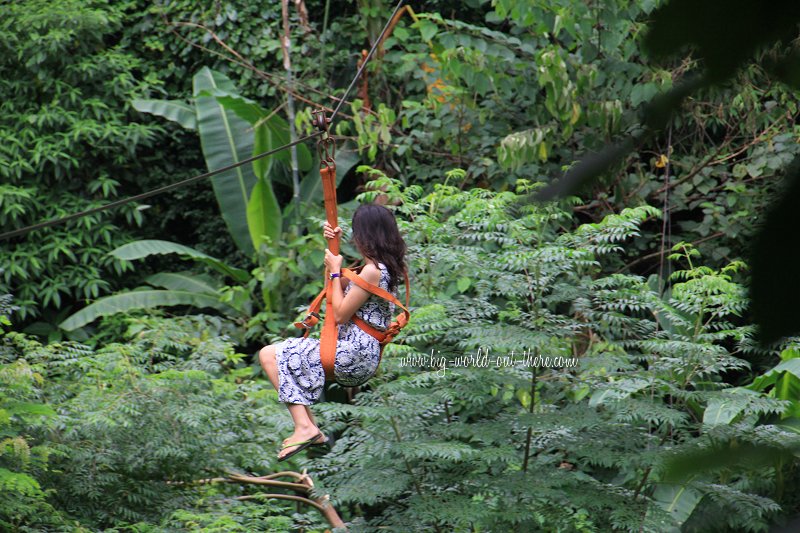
322	38
302	12
287	65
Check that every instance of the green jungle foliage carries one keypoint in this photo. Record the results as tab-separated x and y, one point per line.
632	379
506	91
69	143
582	365
635	378
130	426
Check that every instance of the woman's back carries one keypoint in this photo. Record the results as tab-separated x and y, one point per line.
376	311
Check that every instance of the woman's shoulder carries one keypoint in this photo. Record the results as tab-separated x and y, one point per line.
371	273
377	266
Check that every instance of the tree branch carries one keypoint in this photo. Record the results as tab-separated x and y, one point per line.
302	487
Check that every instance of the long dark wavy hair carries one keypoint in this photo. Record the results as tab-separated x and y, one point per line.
377	238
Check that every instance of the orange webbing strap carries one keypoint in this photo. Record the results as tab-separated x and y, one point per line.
330	330
353	276
384	337
312	318
328	175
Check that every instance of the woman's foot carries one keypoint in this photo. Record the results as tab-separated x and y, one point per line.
301	435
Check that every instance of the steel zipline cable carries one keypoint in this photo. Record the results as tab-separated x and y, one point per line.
375	46
53	222
148	194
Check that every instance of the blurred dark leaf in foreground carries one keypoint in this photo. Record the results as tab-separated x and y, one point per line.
775	288
724	33
724	456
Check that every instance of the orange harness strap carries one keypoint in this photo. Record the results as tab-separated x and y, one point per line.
330	330
384	337
327	348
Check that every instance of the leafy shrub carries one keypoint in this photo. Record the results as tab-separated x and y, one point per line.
137	424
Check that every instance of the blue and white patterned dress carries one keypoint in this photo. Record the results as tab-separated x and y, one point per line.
300	373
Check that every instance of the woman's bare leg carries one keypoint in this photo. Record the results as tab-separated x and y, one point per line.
305	426
311	415
267	359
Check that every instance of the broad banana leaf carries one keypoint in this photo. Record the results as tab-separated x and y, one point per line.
144	299
264	214
786	389
263	211
182	281
141	249
173	110
311	185
226	139
722	410
678	500
271	131
618	390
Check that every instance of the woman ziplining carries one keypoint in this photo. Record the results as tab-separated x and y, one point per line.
294	365
359	308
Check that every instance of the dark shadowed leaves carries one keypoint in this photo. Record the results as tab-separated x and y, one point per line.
786	68
725	33
587	169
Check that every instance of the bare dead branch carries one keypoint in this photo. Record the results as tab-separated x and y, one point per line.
302	488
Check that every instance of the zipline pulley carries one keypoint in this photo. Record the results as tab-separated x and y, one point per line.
326	145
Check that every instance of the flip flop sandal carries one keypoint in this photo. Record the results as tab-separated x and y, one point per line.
327	443
300	447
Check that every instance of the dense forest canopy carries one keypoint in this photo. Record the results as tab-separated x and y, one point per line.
623	384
